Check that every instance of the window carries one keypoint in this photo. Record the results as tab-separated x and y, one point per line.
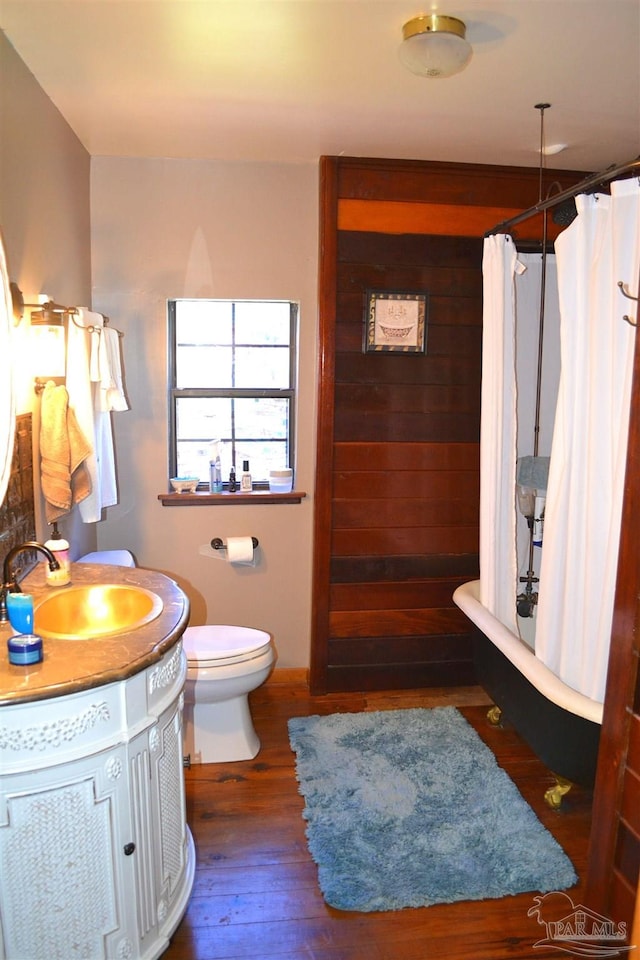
232	379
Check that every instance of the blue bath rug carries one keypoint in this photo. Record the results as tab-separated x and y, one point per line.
408	808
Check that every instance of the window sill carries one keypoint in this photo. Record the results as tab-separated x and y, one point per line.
206	499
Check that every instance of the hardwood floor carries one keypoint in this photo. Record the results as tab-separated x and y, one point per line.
255	893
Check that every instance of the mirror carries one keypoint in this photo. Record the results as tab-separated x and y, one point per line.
7	404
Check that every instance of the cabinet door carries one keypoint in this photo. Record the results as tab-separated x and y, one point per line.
158	814
64	872
170	808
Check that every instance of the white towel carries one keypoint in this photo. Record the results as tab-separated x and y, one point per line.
117	397
108	396
94	321
81	399
105	460
111	394
82	356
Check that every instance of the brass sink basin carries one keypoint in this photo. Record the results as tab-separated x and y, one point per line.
101	610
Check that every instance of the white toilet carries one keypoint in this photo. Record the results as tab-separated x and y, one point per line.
117	558
225	663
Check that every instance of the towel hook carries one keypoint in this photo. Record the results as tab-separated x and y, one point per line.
625	293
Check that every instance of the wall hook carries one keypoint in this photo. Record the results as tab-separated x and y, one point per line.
625	293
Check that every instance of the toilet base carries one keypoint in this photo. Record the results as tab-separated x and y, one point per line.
220	732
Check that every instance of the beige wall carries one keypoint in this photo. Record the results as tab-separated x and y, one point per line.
172	228
123	236
44	218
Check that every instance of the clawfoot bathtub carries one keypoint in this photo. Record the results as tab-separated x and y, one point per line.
560	725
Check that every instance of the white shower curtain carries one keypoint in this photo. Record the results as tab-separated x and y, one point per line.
498	566
586	476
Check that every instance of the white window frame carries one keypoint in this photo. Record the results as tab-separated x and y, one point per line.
176	393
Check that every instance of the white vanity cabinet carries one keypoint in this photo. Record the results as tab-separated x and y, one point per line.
96	859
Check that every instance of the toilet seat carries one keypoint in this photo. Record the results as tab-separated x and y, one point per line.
116	558
215	645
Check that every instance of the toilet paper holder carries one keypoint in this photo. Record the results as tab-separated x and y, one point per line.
218	543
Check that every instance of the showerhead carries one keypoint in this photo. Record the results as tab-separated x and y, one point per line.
565	213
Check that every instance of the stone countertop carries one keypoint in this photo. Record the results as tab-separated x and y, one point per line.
70	666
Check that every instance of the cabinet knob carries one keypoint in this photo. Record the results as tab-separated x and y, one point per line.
128	849
186	761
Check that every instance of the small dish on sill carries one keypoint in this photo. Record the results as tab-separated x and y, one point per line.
184	484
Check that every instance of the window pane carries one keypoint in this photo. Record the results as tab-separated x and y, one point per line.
261	432
266	367
262	457
204	321
192	459
198	366
261	418
262	322
203	418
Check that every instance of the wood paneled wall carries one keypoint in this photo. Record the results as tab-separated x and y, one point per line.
397	485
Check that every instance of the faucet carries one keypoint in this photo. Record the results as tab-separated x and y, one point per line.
9	582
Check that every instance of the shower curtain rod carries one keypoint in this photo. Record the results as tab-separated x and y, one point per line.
593	180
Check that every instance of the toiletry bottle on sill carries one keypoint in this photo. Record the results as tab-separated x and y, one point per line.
233	483
60	549
215	468
215	476
245	480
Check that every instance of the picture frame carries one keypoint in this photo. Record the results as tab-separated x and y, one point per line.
395	321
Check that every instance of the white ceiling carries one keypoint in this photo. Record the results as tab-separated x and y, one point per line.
290	80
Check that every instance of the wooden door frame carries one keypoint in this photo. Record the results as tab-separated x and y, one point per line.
324	441
622	676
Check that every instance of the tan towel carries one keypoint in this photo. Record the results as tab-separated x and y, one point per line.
63	449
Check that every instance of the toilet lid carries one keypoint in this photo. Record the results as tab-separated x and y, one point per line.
220	642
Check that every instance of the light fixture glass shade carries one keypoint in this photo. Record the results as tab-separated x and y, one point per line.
435	46
47	344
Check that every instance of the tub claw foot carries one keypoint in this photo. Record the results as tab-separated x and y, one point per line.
553	796
494	715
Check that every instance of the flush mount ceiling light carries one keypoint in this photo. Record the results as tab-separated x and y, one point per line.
435	46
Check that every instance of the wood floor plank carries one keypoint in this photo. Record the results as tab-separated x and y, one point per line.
256	895
276	876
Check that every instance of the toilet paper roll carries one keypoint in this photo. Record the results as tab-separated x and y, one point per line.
239	550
